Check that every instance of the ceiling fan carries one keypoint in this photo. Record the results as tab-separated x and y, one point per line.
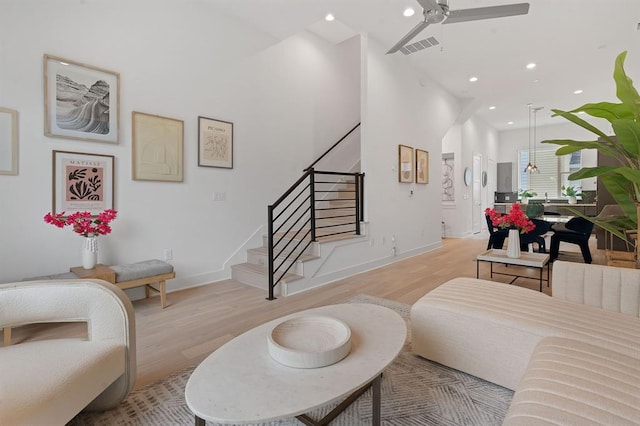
436	11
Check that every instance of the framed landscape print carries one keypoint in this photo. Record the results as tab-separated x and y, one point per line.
422	166
157	148
80	101
8	141
215	143
405	164
82	182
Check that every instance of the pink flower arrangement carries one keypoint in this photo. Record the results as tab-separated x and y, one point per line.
84	223
515	219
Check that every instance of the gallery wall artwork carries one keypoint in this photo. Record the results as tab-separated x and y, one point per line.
81	101
82	182
448	180
215	143
158	144
405	164
8	141
422	166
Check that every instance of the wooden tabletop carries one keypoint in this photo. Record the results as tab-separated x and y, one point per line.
101	272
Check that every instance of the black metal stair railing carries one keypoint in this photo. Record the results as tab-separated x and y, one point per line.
318	206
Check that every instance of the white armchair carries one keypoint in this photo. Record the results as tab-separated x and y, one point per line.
50	381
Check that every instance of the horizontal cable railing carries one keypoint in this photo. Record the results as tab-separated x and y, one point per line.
320	205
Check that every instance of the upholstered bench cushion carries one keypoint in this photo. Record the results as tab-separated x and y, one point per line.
575	383
490	329
147	268
44	381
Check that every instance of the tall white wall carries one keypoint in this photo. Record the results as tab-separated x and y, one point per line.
179	59
474	136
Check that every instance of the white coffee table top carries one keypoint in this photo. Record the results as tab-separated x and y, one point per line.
537	260
240	382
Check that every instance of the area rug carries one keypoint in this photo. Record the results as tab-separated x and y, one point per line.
415	391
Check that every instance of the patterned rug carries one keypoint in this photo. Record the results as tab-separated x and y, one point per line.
415	391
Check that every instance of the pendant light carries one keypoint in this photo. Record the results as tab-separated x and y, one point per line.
529	167
534	169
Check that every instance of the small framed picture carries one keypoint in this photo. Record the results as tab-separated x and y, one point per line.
422	166
82	182
215	143
8	141
158	144
80	101
405	164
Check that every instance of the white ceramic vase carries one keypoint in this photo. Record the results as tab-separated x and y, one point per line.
513	245
573	199
89	252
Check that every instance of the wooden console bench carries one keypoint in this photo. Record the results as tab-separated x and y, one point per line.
146	273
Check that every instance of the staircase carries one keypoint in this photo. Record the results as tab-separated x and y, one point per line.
335	219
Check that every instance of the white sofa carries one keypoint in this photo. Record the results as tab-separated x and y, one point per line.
48	382
573	358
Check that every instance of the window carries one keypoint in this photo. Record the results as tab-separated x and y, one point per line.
554	172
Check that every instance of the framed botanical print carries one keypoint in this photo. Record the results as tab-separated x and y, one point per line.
80	101
82	182
215	143
8	141
422	166
405	164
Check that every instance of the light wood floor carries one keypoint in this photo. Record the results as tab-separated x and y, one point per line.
199	320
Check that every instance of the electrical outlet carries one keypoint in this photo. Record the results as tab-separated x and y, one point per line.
168	254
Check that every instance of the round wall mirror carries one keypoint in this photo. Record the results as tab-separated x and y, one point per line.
484	179
467	176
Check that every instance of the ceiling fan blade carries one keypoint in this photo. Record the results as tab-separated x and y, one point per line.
429	4
466	15
410	35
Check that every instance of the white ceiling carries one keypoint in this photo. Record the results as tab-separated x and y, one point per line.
573	42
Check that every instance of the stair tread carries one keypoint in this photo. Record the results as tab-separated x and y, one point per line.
263	270
265	251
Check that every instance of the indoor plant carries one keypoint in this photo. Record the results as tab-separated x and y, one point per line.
623	181
572	192
88	226
525	194
516	221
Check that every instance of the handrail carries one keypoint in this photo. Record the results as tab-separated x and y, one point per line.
295	223
333	146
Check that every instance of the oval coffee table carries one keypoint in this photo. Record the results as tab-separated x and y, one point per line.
240	383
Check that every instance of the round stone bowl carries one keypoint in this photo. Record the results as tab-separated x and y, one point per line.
309	341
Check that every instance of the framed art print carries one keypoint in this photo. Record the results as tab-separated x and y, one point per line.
157	148
405	164
82	182
422	166
215	143
80	101
8	141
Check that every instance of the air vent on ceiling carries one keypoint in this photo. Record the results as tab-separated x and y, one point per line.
419	45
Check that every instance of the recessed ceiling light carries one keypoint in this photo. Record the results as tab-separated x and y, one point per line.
473	79
577	92
509	122
536	81
531	66
329	17
409	12
492	107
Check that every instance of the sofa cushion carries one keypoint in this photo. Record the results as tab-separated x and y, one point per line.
49	381
571	382
490	329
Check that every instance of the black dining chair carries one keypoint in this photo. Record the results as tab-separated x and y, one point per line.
577	231
536	236
496	235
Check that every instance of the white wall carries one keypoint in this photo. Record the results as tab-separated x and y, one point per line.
474	136
181	60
